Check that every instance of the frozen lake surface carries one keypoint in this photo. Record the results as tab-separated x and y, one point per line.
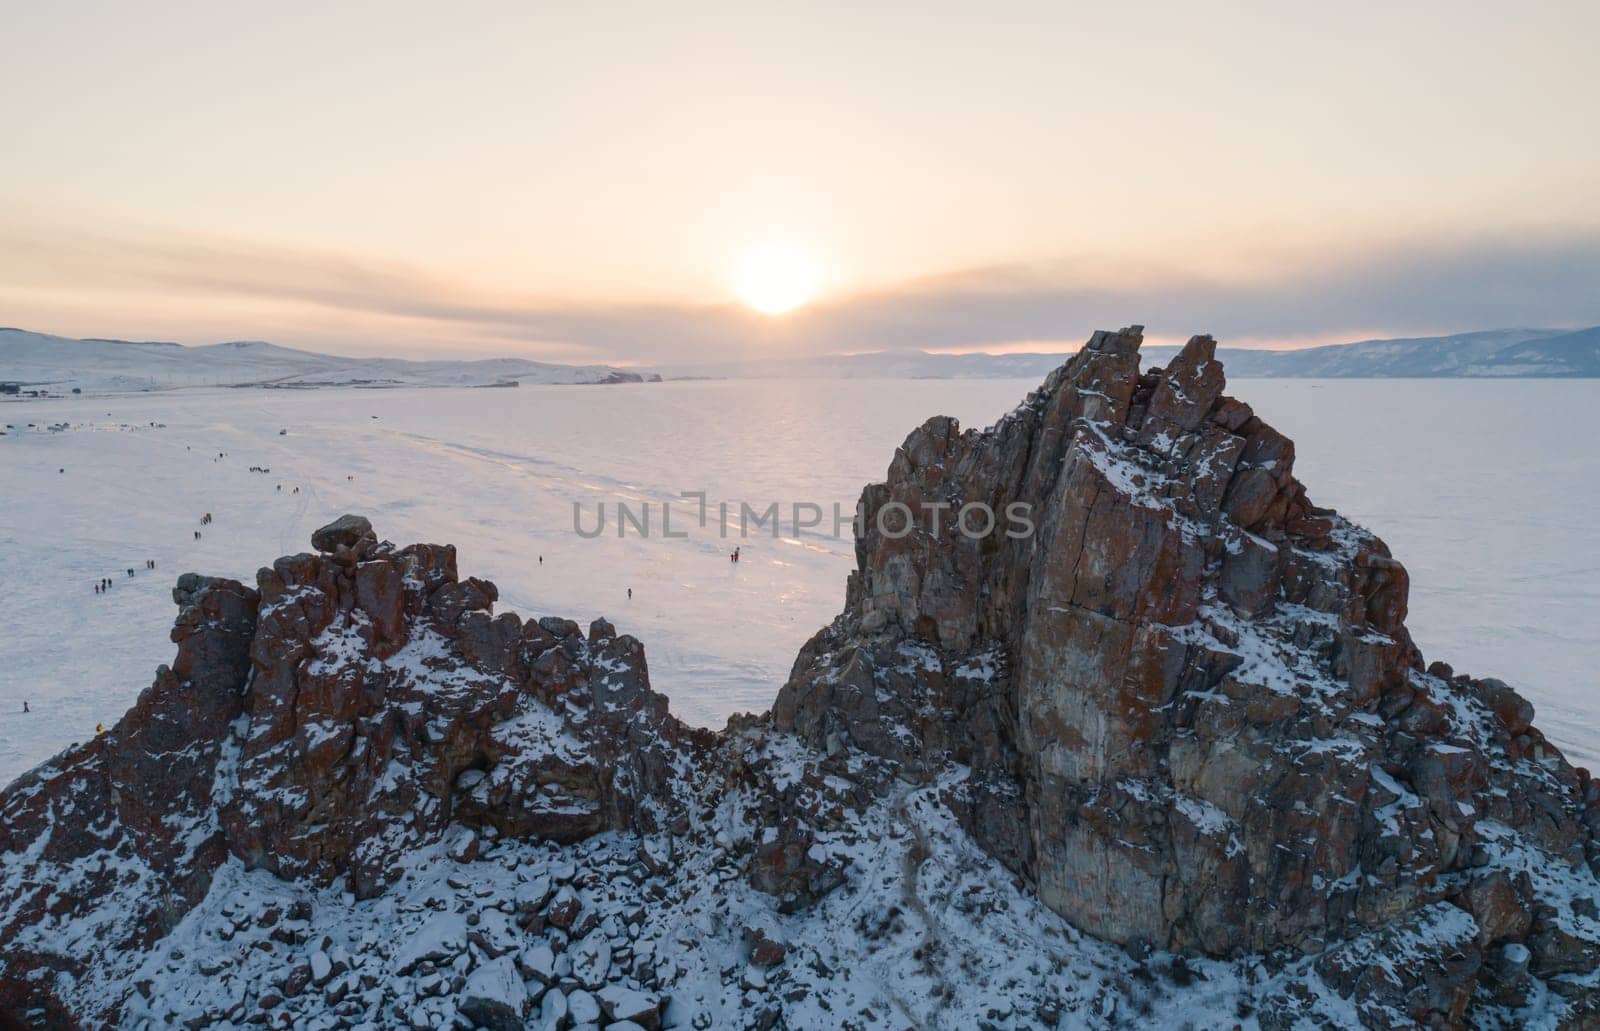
1485	490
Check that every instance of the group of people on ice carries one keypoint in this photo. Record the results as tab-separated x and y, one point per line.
103	585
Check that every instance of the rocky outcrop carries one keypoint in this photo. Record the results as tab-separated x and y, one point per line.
1193	714
1103	664
323	726
385	701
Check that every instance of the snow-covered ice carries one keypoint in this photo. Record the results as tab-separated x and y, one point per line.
1486	491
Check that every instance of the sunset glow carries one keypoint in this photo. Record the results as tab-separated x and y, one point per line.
519	193
775	278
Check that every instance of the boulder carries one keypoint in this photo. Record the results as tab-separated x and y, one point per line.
494	997
630	1004
347	531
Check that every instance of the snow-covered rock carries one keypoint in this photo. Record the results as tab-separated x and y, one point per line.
494	997
622	1003
583	1007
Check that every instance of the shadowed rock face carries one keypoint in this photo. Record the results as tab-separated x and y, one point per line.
137	802
1184	708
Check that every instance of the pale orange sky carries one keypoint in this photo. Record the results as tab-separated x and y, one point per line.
417	179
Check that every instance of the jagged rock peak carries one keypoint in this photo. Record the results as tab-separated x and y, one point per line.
1193	715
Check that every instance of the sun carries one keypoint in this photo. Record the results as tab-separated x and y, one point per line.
774	278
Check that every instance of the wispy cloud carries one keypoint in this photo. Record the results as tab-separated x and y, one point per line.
1418	286
1421	286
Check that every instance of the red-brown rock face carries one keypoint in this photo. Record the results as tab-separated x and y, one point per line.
1193	714
385	701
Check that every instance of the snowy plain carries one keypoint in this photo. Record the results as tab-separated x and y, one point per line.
1485	490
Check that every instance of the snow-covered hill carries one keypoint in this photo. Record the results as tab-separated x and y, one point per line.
1489	353
61	364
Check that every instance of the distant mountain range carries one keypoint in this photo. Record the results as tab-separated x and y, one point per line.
59	364
1489	353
